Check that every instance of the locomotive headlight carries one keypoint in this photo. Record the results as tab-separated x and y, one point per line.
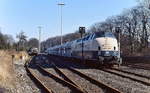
107	52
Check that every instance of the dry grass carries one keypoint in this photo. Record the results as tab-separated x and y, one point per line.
7	74
6	69
20	55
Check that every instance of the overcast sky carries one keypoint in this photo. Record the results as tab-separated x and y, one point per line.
27	15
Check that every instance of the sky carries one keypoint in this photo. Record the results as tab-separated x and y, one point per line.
27	15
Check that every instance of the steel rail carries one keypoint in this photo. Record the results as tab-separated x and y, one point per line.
137	66
77	89
62	74
96	82
38	81
124	76
131	73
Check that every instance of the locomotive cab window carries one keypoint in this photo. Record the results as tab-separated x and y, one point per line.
104	34
99	34
109	34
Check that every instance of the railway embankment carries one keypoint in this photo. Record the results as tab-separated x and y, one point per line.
13	76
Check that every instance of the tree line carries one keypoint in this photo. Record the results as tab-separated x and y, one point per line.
21	44
134	24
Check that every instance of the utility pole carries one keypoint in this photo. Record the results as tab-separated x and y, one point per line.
39	48
61	23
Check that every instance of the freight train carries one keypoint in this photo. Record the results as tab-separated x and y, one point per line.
100	46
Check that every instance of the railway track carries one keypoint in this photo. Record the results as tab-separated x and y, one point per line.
65	76
72	78
46	88
106	88
74	89
129	75
64	73
137	66
37	81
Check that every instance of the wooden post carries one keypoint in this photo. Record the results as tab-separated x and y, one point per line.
13	56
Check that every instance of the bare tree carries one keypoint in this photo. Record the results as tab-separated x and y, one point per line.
32	42
134	24
22	40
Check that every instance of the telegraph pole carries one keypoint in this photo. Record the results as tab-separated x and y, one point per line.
39	48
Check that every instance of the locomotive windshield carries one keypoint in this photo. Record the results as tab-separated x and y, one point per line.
104	34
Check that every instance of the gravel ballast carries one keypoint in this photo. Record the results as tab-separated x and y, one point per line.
23	83
51	83
135	70
85	84
123	84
